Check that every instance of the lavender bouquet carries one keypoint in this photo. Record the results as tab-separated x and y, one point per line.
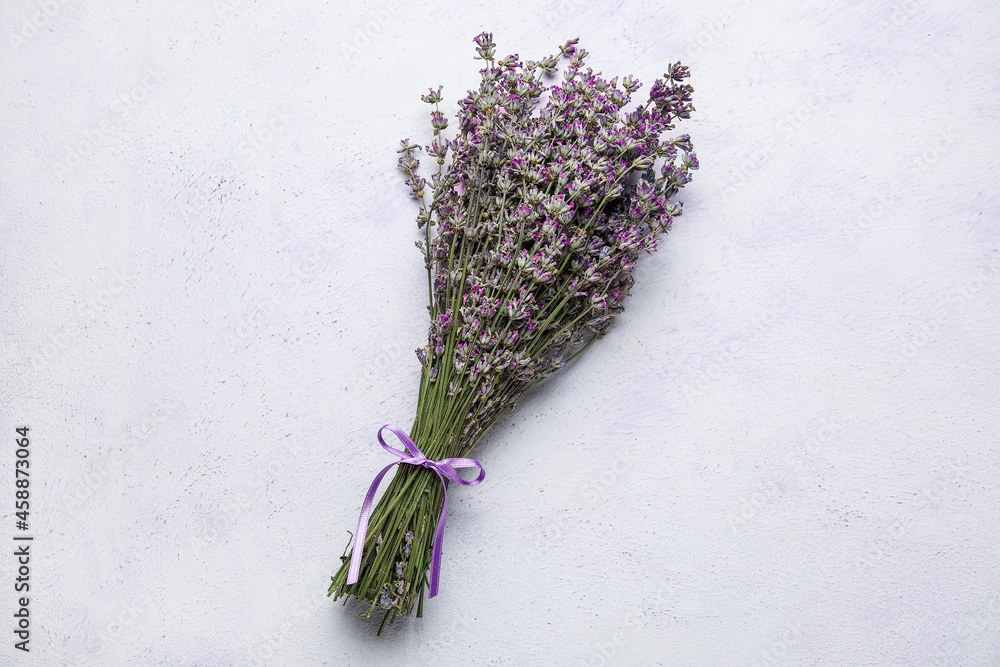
533	229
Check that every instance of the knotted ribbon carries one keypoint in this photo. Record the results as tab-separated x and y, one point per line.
445	469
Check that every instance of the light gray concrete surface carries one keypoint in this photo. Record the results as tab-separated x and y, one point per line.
785	453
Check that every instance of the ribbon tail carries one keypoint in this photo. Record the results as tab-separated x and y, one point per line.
359	536
438	541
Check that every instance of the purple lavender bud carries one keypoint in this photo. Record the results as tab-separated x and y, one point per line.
548	65
683	142
511	62
569	49
444	320
438	121
432	97
486	48
408	163
482	366
516	310
406	146
677	72
439	148
486	390
488	308
417	186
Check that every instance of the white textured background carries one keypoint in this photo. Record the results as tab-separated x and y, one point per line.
785	453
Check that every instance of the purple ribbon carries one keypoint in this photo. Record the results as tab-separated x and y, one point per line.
445	468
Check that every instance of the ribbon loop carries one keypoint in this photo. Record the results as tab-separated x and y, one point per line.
445	469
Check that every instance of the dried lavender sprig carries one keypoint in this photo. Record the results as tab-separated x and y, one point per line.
539	218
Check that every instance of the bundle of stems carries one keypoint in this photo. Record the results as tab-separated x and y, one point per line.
532	232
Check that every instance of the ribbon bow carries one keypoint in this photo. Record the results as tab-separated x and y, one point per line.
445	468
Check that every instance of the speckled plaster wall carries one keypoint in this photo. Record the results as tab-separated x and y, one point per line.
785	453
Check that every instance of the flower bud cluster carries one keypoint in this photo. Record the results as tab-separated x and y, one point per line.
539	218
